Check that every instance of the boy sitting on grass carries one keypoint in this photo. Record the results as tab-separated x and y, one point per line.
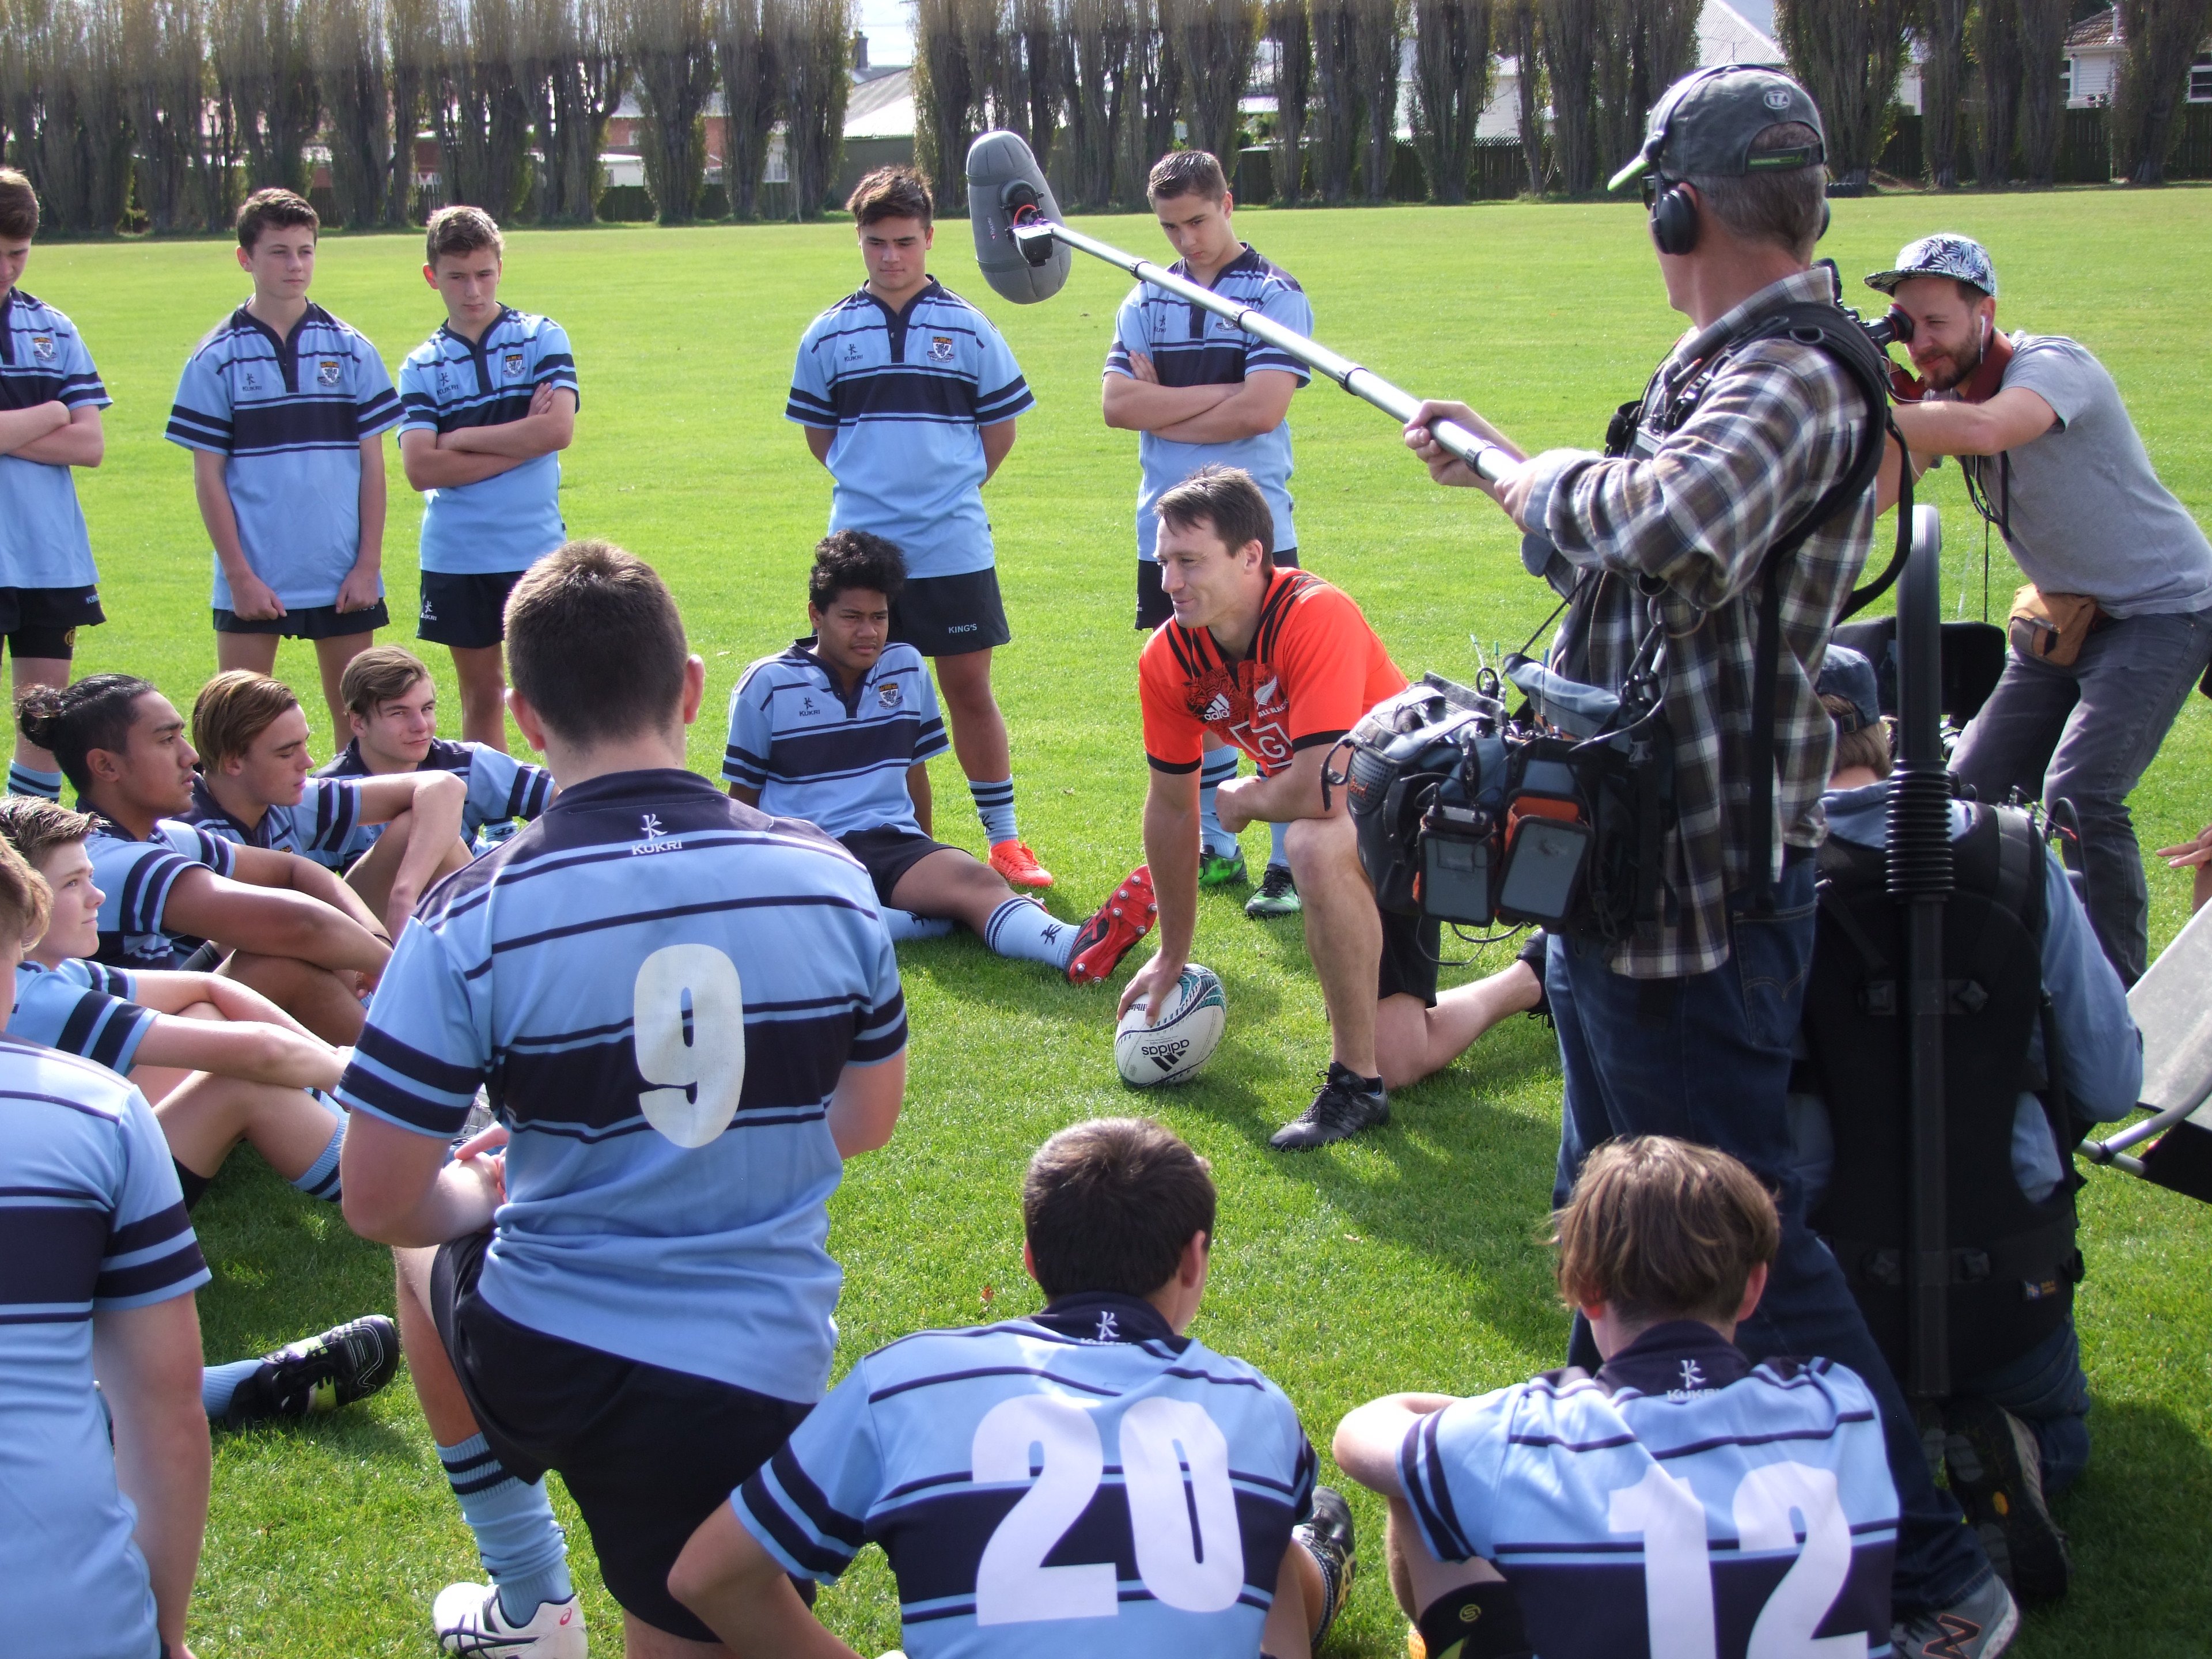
1680	1496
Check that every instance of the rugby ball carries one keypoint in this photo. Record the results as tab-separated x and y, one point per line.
1192	1016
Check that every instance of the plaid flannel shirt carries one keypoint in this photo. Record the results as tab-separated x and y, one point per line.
1685	518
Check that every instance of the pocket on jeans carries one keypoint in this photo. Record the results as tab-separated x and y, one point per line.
1773	954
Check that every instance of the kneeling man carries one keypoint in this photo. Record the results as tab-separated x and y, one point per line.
1282	665
840	729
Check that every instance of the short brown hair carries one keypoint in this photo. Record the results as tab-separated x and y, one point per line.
26	903
1661	1228
461	230
1225	498
19	206
1868	746
1784	206
891	194
594	643
233	710
34	826
1110	1205
268	210
378	675
1186	172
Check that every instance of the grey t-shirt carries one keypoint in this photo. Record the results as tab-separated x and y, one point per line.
2086	512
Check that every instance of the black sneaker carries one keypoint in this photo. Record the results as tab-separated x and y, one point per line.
1327	1536
1981	1627
1278	895
1996	1468
319	1373
1347	1103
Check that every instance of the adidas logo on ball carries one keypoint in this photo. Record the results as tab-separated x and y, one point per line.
1192	1018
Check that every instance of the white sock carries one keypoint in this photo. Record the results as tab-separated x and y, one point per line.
1024	928
904	924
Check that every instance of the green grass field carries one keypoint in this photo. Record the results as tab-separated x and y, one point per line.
1409	1259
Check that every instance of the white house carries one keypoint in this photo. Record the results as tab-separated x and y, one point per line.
2093	50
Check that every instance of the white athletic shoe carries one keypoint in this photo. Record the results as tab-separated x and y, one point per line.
469	1621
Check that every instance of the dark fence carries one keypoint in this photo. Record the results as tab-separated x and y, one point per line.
2085	148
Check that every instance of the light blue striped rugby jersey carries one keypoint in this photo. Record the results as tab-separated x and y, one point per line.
135	878
83	1008
1161	1479
1682	1488
290	414
510	521
1191	347
650	962
43	360
839	762
906	395
92	1220
318	826
501	787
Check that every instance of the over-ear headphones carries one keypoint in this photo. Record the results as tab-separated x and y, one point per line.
1674	215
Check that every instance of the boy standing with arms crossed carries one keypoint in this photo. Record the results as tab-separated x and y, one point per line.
285	408
909	396
49	402
490	402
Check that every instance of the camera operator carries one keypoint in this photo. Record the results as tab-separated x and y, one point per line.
2052	460
1685	1027
2014	1426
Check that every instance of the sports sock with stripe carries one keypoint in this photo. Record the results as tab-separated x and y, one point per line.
1278	845
320	1178
1024	928
904	924
218	1383
994	804
522	1545
27	780
1220	766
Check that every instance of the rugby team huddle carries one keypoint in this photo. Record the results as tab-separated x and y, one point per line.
586	1040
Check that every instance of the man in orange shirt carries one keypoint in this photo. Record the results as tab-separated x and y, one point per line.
1282	665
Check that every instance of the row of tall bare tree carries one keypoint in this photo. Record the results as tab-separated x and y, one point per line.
173	109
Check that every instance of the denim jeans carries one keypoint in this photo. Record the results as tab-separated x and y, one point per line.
2044	1388
2086	733
1706	1058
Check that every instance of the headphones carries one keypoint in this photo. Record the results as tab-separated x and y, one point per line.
1674	215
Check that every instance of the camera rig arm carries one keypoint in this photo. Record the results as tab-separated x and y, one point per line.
1033	233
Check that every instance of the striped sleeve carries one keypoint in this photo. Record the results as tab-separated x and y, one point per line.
99	977
1448	1458
745	757
1130	338
879	1032
418	404
930	741
808	1504
105	1030
80	387
421	1058
332	811
1286	303
502	787
151	871
151	1254
198	845
201	416
557	362
1001	393
376	404
809	403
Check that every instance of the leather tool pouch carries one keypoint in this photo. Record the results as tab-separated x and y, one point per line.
2050	627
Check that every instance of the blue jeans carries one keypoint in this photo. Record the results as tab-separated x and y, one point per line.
2086	733
1706	1058
2044	1388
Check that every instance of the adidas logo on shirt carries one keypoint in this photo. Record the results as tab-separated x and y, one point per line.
1218	708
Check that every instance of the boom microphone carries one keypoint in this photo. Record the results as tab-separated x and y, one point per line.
1023	248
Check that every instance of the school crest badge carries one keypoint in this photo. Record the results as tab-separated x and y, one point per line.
888	694
326	372
513	364
42	347
940	348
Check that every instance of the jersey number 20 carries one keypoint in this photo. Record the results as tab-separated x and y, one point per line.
1199	1571
688	1026
1678	1569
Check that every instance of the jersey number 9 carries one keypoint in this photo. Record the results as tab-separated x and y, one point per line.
1190	1550
688	1027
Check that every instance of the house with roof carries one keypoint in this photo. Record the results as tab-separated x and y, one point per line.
2095	48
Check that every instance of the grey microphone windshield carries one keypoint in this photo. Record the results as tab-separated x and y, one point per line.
1002	178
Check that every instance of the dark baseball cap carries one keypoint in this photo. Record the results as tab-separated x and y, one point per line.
1707	122
1847	674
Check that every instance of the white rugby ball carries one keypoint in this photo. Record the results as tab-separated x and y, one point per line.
1192	1018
